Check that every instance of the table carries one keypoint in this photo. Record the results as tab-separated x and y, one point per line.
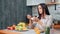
8	32
17	32
25	32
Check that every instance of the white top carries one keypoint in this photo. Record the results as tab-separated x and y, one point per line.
46	22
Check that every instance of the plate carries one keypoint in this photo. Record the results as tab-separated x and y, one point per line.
21	30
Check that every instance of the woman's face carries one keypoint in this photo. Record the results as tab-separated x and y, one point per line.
29	16
40	9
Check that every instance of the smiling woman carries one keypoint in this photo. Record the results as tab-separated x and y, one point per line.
44	19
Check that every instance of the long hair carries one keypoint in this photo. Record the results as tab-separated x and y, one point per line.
44	8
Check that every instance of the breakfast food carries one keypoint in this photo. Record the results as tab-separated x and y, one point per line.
21	26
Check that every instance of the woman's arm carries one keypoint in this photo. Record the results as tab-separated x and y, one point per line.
38	21
31	23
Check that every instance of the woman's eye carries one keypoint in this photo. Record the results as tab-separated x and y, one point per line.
39	8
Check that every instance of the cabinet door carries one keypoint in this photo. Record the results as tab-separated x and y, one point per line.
12	12
34	2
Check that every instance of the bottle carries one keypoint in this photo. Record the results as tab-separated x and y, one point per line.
47	31
37	31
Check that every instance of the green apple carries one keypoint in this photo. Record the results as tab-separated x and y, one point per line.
20	27
16	28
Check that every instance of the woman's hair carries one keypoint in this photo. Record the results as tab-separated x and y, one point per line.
44	8
27	20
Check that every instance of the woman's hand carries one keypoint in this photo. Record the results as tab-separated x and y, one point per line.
37	19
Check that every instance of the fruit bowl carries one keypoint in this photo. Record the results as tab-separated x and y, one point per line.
21	26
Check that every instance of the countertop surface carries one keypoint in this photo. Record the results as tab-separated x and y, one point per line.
52	31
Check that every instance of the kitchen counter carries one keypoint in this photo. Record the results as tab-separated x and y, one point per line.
55	31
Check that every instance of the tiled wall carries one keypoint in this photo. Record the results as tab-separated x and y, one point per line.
55	13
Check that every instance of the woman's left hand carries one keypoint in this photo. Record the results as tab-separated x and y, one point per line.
37	19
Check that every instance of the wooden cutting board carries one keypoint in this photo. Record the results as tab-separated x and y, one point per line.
8	32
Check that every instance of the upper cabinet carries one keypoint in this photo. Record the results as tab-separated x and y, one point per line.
34	2
51	2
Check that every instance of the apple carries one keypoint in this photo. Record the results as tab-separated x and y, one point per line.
13	27
16	28
8	28
20	28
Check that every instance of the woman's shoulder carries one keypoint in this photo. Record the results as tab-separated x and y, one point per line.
49	16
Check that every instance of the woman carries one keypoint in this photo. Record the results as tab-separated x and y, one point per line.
44	19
